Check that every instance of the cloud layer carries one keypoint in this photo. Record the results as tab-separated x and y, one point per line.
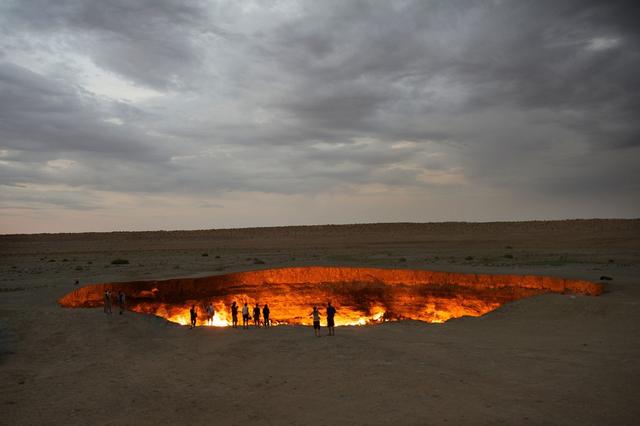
405	110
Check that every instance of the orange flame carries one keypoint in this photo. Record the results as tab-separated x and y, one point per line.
361	295
299	314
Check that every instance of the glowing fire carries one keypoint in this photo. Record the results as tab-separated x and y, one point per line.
294	311
222	317
361	295
182	316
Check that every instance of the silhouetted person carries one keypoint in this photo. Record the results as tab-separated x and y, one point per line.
121	301
234	315
265	315
245	315
107	302
256	315
316	321
331	313
194	315
211	312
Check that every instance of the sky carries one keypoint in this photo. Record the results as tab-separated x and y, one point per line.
162	114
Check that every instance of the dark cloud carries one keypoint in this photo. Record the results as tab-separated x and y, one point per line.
152	42
46	115
517	97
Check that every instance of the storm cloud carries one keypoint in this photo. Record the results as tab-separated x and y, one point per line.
365	110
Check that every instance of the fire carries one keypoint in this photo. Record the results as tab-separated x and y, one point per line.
362	296
295	310
182	316
222	318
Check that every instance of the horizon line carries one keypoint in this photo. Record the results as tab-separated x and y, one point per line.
325	225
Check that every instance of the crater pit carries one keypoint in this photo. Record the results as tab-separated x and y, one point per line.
361	295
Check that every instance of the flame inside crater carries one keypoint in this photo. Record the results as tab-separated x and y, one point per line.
361	295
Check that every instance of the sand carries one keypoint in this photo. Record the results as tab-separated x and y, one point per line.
552	359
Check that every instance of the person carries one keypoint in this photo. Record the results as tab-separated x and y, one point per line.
194	316
211	312
121	300
107	302
234	315
245	316
265	315
331	313
316	321
256	315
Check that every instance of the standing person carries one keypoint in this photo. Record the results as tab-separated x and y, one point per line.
194	315
265	315
107	302
245	316
211	312
331	313
316	321
121	300
256	315
234	315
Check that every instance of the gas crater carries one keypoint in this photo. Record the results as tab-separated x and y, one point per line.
361	295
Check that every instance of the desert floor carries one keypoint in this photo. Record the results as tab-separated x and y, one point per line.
552	359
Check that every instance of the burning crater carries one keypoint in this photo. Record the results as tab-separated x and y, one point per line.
361	295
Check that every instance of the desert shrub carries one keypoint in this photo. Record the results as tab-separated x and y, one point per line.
508	256
257	261
79	268
65	260
402	259
218	257
468	258
205	255
119	262
605	278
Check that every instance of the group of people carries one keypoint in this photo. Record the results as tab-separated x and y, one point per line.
246	317
246	313
120	300
266	321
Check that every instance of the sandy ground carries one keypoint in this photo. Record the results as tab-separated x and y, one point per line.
552	359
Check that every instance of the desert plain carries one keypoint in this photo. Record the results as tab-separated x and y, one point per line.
550	359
